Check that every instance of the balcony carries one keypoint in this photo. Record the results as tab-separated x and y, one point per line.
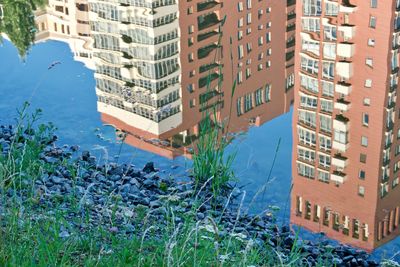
346	7
203	81
342	105
207	21
393	88
389	125
348	31
338	177
339	161
290	27
206	35
205	51
290	43
291	16
345	50
290	2
341	123
206	5
343	88
344	69
340	146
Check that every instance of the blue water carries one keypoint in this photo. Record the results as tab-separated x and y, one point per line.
66	94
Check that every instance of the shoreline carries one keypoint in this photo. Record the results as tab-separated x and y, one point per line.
125	202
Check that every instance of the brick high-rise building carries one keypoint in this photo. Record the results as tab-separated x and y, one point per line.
346	129
153	60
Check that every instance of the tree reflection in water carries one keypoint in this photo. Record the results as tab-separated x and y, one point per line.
17	21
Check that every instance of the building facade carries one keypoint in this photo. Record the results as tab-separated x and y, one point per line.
67	21
161	64
345	126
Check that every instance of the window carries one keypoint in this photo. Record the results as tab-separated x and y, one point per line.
368	83
340	136
325	142
365	119
305	170
324	160
299	205
361	174
259	99
361	190
364	141
369	62
395	182
323	176
239	106
305	154
371	42
192	103
367	101
248	102
374	3
267	93
372	22
363	158
306	136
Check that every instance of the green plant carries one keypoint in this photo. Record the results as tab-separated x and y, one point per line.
21	164
210	160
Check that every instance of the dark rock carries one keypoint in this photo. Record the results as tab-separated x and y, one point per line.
144	201
260	224
117	171
372	263
348	258
285	228
149	183
85	155
74	148
354	262
315	252
149	167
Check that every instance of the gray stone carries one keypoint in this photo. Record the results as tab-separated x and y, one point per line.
200	216
134	181
64	234
155	204
57	180
115	178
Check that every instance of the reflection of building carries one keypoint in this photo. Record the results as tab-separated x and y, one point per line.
67	21
346	148
154	59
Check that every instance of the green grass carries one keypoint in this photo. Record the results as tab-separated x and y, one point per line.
30	231
211	163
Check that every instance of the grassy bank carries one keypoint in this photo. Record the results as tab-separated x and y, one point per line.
59	208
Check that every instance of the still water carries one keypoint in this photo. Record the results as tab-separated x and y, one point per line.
66	93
